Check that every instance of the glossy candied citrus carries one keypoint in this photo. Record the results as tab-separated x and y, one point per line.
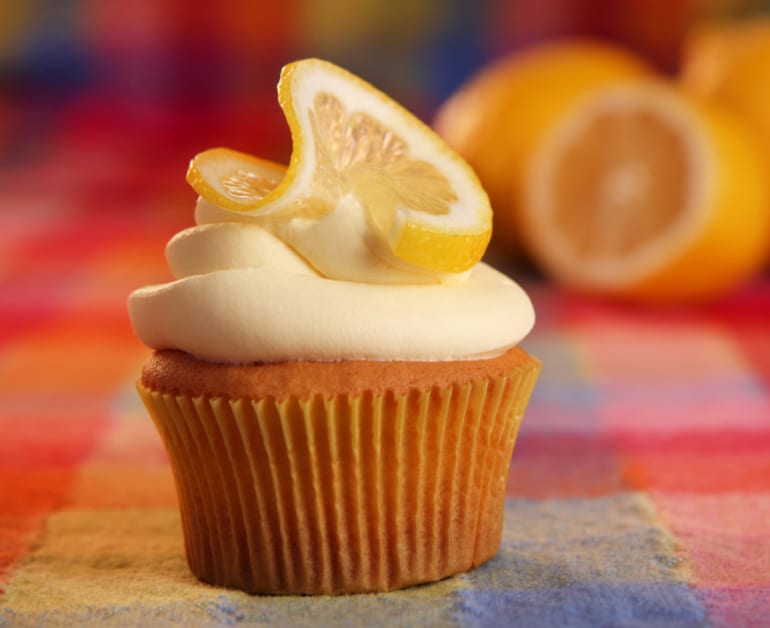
232	179
643	192
353	145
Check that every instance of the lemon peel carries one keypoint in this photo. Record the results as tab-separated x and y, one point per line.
232	179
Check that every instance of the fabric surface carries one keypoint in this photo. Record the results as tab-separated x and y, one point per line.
639	490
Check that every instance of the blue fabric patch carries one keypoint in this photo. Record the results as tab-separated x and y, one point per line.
583	604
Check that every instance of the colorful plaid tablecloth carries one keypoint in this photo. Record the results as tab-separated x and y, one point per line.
639	490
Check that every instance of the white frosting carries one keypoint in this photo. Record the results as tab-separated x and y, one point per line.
251	291
340	245
219	246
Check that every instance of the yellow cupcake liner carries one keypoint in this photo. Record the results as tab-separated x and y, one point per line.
342	494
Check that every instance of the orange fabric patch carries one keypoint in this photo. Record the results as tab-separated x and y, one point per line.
103	486
32	491
71	358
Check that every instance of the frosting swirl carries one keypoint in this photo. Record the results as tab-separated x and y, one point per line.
247	290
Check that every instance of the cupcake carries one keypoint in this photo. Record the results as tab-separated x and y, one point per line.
335	375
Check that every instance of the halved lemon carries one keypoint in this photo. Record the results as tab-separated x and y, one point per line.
353	145
642	192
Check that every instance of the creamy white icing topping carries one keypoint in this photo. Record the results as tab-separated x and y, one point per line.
249	290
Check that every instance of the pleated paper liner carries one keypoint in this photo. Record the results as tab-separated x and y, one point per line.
343	494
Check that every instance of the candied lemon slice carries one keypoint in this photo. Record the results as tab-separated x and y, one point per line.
232	179
353	145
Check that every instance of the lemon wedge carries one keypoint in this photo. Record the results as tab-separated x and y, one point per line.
353	145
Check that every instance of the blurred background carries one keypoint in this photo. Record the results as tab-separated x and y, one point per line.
154	81
112	96
102	105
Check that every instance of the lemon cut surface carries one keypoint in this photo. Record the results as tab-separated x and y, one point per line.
353	145
644	193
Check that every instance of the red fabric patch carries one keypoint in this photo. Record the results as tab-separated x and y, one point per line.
47	438
725	539
698	463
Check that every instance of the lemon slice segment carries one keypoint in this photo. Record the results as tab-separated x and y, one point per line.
233	180
353	145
